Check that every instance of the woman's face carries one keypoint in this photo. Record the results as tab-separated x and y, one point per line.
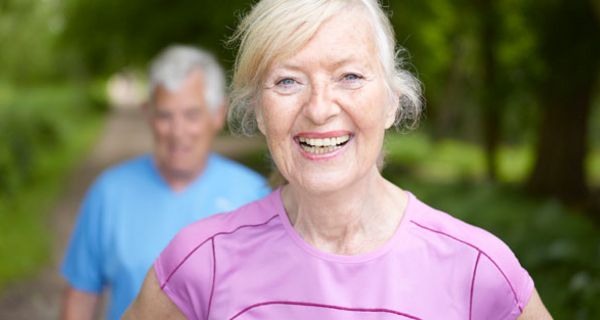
324	110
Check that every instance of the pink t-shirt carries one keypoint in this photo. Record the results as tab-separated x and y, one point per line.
251	264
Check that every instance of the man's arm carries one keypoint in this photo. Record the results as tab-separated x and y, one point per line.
152	302
535	309
78	305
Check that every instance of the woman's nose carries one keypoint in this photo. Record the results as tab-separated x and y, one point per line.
320	106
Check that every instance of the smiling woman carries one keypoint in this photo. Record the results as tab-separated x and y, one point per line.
320	80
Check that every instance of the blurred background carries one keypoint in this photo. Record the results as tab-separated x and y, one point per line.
510	140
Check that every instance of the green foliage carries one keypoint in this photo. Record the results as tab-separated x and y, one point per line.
445	39
450	160
111	34
25	137
572	51
44	131
28	33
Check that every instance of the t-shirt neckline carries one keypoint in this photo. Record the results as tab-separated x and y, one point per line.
359	258
196	183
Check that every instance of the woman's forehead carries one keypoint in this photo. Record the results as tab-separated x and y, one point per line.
345	38
327	60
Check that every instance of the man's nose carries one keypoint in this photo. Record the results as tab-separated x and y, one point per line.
177	126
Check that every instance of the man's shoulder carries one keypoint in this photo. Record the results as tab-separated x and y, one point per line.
126	175
226	167
127	170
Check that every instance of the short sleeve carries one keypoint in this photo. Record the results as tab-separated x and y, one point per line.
185	272
501	287
82	265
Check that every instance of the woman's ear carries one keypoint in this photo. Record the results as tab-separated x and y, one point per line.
392	110
260	120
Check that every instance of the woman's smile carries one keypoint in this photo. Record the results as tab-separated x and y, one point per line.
321	146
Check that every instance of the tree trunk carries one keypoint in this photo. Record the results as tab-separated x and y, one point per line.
569	43
490	98
562	147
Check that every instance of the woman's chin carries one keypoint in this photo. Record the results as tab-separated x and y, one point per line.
322	183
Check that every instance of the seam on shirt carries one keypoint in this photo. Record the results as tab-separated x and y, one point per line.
180	303
473	285
205	241
324	306
482	252
212	289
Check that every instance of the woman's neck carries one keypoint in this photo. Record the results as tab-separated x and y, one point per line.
353	220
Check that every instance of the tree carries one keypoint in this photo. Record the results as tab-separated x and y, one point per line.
490	97
569	48
113	34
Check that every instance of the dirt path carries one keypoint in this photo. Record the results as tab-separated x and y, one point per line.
125	135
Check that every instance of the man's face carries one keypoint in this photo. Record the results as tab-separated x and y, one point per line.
183	127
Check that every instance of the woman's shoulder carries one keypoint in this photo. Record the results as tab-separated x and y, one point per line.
494	266
191	240
441	226
185	269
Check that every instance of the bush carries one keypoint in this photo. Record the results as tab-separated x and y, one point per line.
26	136
43	132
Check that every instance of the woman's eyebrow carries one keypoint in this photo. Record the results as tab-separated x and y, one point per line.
348	59
333	62
288	65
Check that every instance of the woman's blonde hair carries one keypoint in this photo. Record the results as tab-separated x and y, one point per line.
276	29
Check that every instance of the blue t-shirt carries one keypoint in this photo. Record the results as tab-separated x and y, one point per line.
130	214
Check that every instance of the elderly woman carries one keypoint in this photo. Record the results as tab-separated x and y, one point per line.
321	81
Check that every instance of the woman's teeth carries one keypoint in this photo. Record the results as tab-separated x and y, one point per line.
325	145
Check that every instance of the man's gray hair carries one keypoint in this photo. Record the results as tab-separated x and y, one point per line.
175	63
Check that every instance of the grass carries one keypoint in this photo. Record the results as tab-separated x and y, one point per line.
25	237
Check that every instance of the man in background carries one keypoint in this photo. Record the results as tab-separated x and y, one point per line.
133	210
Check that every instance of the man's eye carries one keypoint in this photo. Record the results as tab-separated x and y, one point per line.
193	114
162	115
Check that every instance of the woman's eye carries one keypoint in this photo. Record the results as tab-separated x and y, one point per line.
352	77
286	82
287	86
351	81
